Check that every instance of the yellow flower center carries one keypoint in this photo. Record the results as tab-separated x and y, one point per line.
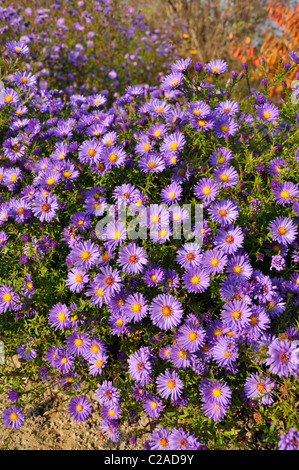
67	173
172	195
217	392
112	157
91	152
224	128
119	322
206	190
146	146
7	297
266	114
166	311
202	122
95	348
173	146
157	133
79	407
192	335
136	307
237	269
282	230
214	262
13	416
85	255
50	181
78	342
236	314
224	177
195	279
284	194
78	277
61	316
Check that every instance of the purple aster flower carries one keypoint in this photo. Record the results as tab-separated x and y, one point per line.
8	299
236	314
107	393
225	352
225	126
268	112
114	156
283	357
224	211
221	156
207	190
79	408
132	258
17	47
259	388
290	440
118	323
180	357
3	238
97	363
153	406
154	274
170	385
214	261
44	207
59	317
229	240
85	254
172	279
12	395
228	108
172	81
216	67
78	343
196	279
115	234
151	163
204	123
189	256
63	361
216	396
285	192
140	366
166	311
159	439
277	166
171	194
198	110
76	279
26	350
109	280
278	263
226	176
173	142
283	230
180	439
240	266
13	417
135	307
110	429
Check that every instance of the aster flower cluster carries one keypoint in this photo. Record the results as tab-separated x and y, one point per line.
162	308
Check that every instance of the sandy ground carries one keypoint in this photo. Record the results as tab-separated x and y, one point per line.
48	427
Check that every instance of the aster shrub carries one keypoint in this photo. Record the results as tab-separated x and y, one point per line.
153	266
86	45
